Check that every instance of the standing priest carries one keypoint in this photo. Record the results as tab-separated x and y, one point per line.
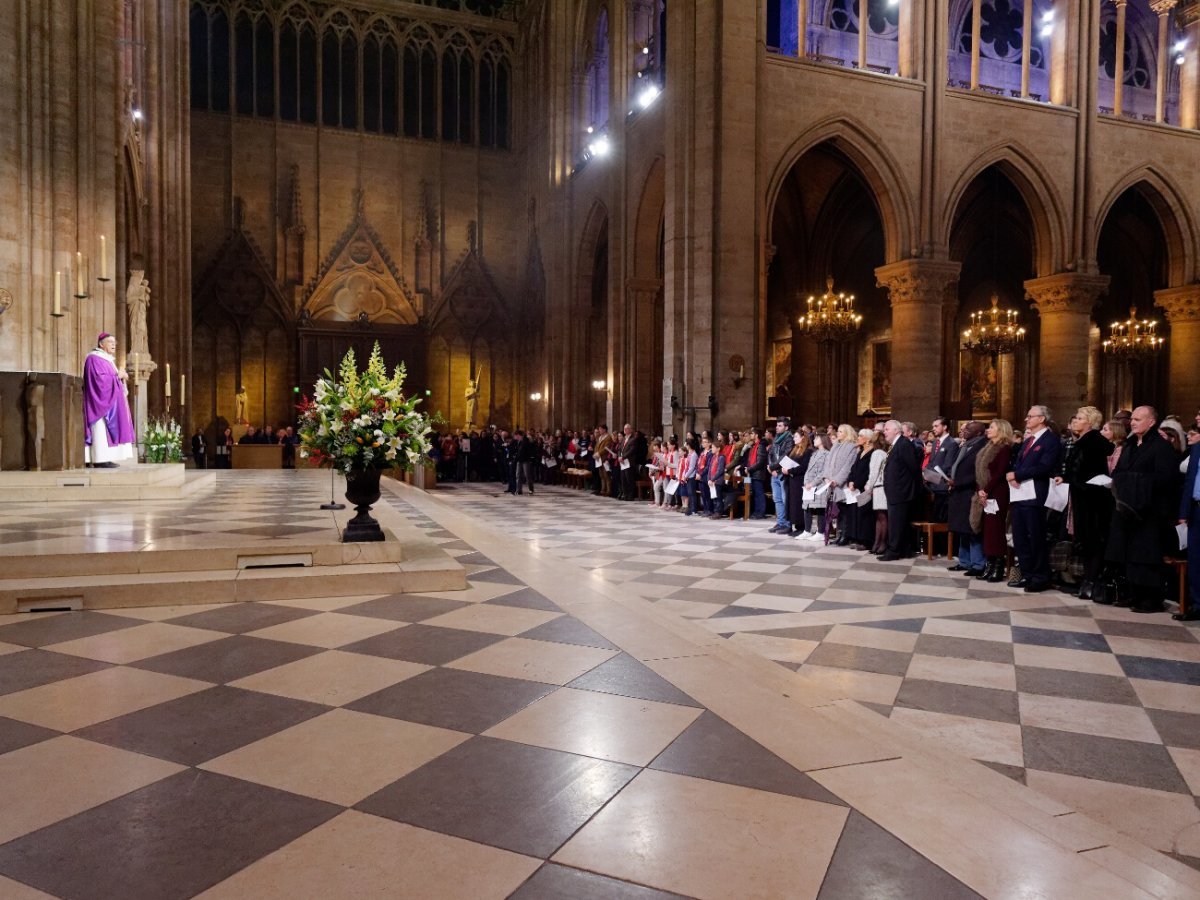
107	426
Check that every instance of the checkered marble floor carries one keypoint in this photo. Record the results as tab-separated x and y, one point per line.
264	506
1094	706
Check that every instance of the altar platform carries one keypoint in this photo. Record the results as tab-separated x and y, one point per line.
251	536
128	482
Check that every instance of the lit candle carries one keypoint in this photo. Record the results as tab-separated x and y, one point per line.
168	381
58	293
79	287
135	367
103	261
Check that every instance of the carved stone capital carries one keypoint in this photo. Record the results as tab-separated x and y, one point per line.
918	280
1188	15
1181	304
1067	292
1162	7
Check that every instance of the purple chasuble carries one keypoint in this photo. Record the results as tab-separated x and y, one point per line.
104	398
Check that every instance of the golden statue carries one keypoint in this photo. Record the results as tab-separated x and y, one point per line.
472	397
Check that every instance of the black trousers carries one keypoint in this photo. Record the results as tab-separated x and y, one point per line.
899	527
1029	541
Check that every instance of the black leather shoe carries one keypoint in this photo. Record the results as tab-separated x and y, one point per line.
1191	616
1152	608
1020	583
975	573
888	557
1036	588
956	568
1087	590
996	576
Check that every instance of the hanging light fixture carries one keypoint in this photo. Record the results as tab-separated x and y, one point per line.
994	330
1134	338
830	317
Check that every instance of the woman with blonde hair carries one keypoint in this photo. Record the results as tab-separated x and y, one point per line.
1091	505
837	471
990	467
866	472
1115	432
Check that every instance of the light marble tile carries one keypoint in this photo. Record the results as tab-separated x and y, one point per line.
1054	622
50	781
777	648
128	645
683	835
74	703
1067	660
327	630
6	649
1188	763
340	757
491	619
849	684
978	673
333	678
979	631
770	601
877	638
981	739
543	661
1177	650
1167	695
324	604
1088	717
14	890
688	609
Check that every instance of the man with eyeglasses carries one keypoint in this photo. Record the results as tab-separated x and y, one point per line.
1036	461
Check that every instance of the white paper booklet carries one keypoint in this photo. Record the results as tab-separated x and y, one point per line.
1024	491
1058	496
787	464
1100	481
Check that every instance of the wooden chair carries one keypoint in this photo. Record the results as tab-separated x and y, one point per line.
645	490
934	528
1181	572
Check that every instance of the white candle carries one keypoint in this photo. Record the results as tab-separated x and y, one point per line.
103	261
182	390
168	380
79	286
135	367
58	292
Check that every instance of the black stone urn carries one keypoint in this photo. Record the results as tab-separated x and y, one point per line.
362	490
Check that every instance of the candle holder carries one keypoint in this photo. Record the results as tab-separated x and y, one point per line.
81	277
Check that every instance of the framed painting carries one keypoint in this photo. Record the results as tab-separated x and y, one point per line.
881	376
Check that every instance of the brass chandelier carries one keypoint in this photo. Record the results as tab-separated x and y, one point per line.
994	330
1134	338
830	317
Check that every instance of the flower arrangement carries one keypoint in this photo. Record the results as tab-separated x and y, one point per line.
362	421
163	441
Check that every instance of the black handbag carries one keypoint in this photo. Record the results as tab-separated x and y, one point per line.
1110	591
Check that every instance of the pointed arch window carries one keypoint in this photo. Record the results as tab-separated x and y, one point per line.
598	75
198	48
289	83
243	34
264	68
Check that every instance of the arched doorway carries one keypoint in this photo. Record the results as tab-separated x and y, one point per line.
586	360
826	223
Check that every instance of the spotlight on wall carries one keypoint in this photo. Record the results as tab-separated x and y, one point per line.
590	129
1048	16
535	396
1180	46
600	384
893	2
1047	30
1179	60
600	146
137	115
646	51
647	97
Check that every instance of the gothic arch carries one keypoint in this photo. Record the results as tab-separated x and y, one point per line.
1173	216
595	223
648	223
868	154
1032	182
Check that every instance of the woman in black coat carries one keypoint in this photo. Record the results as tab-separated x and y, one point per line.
802	454
962	487
1090	514
1146	495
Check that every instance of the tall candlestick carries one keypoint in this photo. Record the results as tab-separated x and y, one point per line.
57	293
80	287
182	390
168	389
135	367
103	261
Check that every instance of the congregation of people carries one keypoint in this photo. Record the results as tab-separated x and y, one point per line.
222	453
1098	508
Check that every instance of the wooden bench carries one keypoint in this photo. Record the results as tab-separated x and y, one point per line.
935	528
645	489
1181	571
577	478
745	496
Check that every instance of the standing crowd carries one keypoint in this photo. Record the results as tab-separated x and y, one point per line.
1098	508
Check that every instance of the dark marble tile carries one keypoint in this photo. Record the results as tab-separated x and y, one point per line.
526	598
518	797
495	576
823	605
801	592
732	611
702	595
667	579
168	841
992	618
1067	640
959	700
1076	685
800	632
861	659
14	735
1147	631
1016	773
627	677
882	708
26	669
713	749
912	626
202	726
1106	759
238	618
1177	729
853	583
475	558
227	659
555	882
909	599
404	607
964	648
943	579
872	864
568	630
41	630
1160	669
448	698
428	644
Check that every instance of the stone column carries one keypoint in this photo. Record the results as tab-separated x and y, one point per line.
1026	44
1182	306
802	28
863	27
918	289
1162	9
1064	302
1189	76
976	28
1119	61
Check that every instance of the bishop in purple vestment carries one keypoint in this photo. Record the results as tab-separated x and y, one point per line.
107	426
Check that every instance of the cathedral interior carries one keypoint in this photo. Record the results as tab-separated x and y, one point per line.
676	214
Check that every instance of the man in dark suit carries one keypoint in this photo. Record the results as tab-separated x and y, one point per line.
1189	515
199	449
945	449
1037	461
901	482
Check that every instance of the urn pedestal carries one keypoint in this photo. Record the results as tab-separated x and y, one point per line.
362	490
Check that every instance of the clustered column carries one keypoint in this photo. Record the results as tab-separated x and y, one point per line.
1162	8
917	289
1182	306
1064	303
1119	61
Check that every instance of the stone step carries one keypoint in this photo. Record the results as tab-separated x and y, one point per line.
143	482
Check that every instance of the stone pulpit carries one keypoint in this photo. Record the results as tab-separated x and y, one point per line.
41	421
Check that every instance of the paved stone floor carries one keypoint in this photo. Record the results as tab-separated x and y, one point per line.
549	733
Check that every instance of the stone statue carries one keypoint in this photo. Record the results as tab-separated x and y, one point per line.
137	301
35	423
240	399
472	398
